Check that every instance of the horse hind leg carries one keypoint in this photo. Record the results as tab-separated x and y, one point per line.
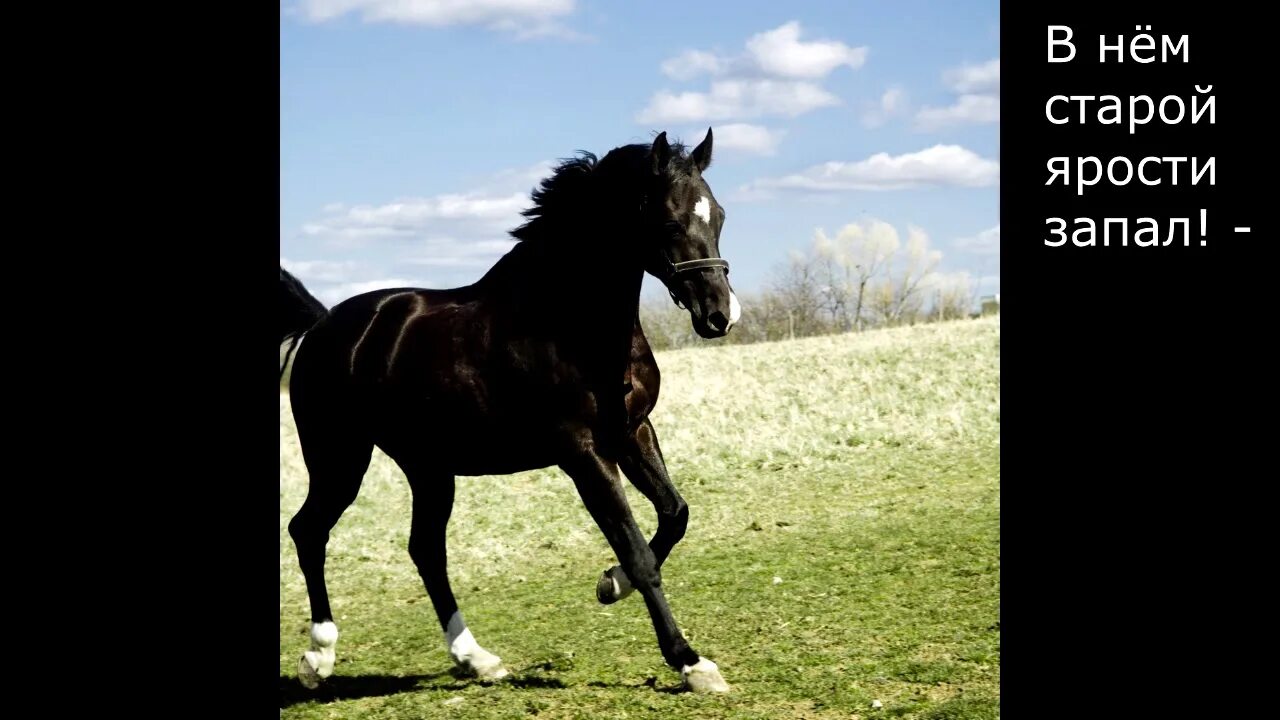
433	495
336	465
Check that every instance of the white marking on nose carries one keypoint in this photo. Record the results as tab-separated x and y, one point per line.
735	309
703	210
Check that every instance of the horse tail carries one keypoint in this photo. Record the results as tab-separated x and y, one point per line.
299	312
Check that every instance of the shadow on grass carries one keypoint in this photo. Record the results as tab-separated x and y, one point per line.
651	684
350	687
355	687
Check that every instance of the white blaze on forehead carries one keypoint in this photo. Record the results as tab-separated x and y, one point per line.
735	308
703	209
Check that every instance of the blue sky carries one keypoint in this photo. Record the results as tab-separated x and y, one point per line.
412	131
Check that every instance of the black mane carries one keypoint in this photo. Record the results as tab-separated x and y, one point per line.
570	194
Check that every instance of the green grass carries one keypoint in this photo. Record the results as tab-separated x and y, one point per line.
861	470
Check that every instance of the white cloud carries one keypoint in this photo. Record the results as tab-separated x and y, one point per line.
484	213
893	102
978	102
325	271
469	215
752	139
777	74
986	242
983	78
968	109
781	53
520	178
451	232
692	63
738	99
450	237
455	253
413	213
938	165
334	281
523	17
334	294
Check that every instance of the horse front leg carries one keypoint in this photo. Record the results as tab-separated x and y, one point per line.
601	490
641	461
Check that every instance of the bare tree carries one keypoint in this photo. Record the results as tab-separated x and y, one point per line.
833	281
919	262
875	251
881	301
799	289
849	263
860	277
764	317
665	325
952	296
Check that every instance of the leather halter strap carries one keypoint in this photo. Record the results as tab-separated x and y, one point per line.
670	270
677	268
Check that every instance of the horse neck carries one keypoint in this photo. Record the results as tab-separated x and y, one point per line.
582	293
575	277
576	280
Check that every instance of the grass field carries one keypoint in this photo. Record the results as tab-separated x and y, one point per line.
842	557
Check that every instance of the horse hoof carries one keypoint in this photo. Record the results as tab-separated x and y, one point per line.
613	586
704	677
497	672
308	671
484	665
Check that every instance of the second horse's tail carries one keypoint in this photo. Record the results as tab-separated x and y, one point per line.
299	312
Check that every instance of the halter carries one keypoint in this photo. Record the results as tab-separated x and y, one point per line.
670	270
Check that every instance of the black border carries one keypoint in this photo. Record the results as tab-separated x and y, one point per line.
1125	373
1133	379
154	422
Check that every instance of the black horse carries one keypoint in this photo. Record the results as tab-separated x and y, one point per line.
541	362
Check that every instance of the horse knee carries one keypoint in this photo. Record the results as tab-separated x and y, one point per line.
680	520
302	530
673	522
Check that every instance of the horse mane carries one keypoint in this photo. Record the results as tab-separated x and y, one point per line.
571	193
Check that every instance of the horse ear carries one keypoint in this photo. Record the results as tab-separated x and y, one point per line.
660	153
702	154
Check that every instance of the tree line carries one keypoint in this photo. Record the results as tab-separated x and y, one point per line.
864	277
